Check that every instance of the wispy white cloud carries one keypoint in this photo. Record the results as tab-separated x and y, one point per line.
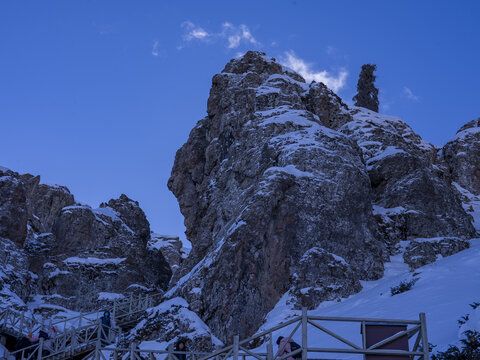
336	83
194	32
155	48
233	36
409	93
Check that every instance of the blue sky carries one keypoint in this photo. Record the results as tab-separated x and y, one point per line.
99	95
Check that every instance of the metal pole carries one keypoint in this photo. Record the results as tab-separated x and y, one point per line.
423	321
304	333
235	347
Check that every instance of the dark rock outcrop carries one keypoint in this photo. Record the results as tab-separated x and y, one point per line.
421	252
261	182
170	247
71	254
463	157
174	320
13	207
413	196
285	189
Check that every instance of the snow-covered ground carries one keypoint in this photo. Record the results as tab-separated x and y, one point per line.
443	291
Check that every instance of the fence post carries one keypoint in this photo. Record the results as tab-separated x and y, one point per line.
364	336
22	319
132	351
423	324
40	348
235	347
270	348
170	350
304	333
98	344
42	324
74	341
114	310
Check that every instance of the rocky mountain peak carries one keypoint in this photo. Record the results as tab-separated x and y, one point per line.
288	193
259	63
68	254
474	124
131	213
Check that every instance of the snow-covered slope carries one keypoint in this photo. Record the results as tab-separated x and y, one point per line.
443	291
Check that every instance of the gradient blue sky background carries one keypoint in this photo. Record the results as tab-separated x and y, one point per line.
99	95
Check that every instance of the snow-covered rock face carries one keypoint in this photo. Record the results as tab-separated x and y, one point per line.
171	321
289	194
413	197
261	182
15	279
69	253
420	252
462	155
170	247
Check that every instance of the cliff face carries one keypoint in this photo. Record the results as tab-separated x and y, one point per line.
285	189
462	155
69	254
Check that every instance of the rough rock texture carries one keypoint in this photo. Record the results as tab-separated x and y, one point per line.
413	196
47	201
15	280
261	182
170	247
324	276
13	207
463	157
71	254
171	321
327	105
285	189
421	252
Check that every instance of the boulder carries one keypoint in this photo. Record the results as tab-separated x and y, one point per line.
420	252
171	321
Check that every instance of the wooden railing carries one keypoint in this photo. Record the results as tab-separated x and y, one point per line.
305	325
99	342
82	333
